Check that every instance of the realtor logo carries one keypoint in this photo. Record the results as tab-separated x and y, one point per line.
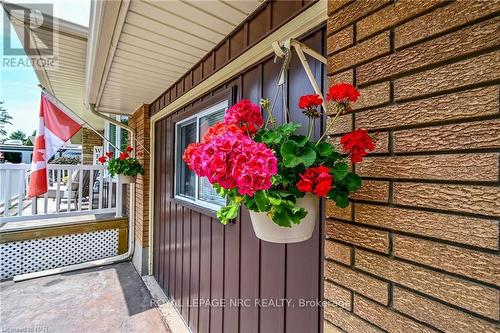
35	27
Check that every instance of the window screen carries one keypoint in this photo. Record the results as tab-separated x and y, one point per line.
205	189
186	179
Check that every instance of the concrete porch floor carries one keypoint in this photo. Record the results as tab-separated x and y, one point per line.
105	299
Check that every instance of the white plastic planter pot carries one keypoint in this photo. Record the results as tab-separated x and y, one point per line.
125	179
269	231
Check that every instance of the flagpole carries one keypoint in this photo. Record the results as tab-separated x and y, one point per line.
57	101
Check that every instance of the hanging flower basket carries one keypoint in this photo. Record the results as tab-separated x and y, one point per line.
276	172
125	179
123	168
267	230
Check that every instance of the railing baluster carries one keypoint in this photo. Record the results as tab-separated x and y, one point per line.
7	196
91	189
118	196
20	193
101	184
58	190
110	191
45	202
69	187
80	188
3	174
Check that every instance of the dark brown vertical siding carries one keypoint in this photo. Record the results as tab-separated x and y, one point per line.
250	245
217	279
205	272
194	290
196	258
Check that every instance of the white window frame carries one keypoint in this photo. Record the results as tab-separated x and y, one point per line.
118	134
209	110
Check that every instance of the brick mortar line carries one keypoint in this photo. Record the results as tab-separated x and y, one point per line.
487	183
396	284
455	307
449	30
442	63
394	26
355	21
404	73
362	319
404	315
407	261
341	330
408	234
426	209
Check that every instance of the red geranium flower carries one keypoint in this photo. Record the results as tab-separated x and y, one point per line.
343	93
123	156
316	180
190	151
129	149
221	128
357	143
245	115
310	101
102	159
109	154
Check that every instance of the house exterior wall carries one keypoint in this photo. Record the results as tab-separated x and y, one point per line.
140	123
89	140
417	250
197	258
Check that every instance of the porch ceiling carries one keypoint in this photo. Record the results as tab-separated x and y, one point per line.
152	45
67	79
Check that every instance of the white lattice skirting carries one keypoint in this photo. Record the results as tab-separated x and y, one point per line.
35	255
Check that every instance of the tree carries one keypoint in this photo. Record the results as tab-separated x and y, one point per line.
5	119
18	135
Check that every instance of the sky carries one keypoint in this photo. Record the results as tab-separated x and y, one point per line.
19	86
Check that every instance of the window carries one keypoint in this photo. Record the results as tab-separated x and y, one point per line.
116	135
188	186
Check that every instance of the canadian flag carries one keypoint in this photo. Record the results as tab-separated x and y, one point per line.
56	126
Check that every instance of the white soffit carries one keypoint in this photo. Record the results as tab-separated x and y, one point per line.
154	43
67	79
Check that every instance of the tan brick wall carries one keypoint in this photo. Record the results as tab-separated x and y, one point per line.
89	140
139	121
417	250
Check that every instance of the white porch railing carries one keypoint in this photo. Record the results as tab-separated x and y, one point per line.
72	190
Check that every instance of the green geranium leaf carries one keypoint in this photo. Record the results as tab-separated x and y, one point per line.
288	128
341	200
354	182
308	156
289	152
227	213
271	137
300	140
293	155
251	204
340	170
324	149
262	201
284	215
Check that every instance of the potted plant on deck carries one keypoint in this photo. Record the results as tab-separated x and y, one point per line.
124	167
278	174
